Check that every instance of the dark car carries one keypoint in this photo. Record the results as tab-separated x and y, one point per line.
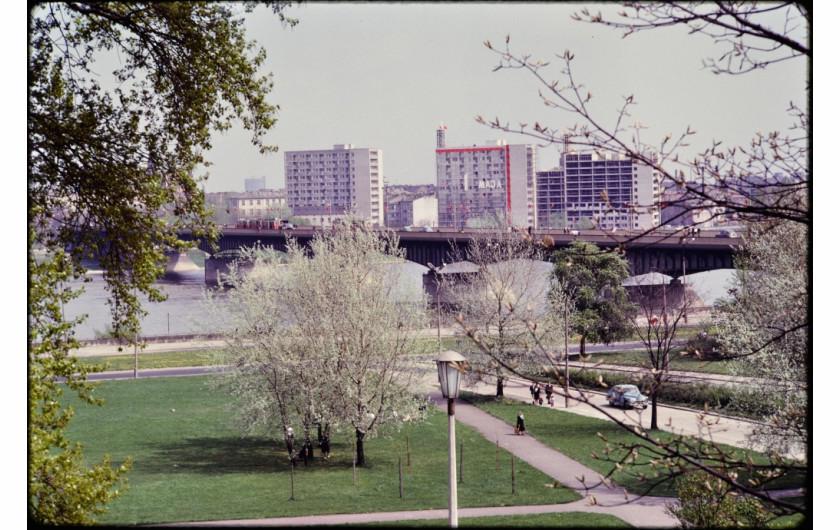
726	233
627	396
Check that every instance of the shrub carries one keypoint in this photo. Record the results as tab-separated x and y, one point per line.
705	346
707	502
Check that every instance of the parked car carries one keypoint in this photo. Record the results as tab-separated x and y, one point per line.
405	229
726	233
627	396
426	229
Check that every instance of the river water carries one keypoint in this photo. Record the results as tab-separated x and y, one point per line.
183	313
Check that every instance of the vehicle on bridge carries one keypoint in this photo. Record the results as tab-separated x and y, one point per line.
265	224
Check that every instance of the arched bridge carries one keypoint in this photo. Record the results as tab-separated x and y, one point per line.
670	253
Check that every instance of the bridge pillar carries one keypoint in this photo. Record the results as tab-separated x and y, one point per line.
214	268
179	262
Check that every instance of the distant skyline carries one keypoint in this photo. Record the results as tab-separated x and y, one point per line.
386	75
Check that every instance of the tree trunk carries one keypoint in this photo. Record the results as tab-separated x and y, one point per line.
654	397
360	448
582	346
500	387
653	412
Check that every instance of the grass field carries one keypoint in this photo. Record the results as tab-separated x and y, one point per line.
577	437
189	466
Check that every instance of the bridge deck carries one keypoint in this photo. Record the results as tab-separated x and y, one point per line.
667	252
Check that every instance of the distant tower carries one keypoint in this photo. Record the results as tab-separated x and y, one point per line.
441	136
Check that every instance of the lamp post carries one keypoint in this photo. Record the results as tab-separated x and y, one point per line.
450	365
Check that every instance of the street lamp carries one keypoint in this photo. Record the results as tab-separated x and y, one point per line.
450	366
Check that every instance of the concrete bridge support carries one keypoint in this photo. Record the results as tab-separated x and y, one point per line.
179	262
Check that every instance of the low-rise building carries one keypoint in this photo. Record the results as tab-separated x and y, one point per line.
263	204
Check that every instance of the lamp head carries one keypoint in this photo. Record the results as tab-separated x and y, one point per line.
450	369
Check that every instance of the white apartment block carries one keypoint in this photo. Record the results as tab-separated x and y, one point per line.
576	191
494	181
324	185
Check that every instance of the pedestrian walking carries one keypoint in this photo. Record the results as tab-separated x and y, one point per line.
520	424
531	389
549	390
536	394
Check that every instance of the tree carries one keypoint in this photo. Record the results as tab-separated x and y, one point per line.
62	490
591	280
766	328
324	339
108	156
508	288
768	177
662	307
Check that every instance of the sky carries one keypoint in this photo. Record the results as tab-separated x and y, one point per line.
387	75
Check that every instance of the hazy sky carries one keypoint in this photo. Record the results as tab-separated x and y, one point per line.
386	75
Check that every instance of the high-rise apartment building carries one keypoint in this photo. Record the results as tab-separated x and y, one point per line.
326	184
492	183
612	191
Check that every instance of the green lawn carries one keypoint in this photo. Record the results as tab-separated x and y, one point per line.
189	466
638	358
577	437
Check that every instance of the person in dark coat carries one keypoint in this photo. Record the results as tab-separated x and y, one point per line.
520	424
307	452
325	445
537	394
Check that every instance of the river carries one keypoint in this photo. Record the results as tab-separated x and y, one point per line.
184	312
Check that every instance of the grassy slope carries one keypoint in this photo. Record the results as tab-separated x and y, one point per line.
188	465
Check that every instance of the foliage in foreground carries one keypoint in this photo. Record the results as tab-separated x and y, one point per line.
707	502
111	156
62	489
766	326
